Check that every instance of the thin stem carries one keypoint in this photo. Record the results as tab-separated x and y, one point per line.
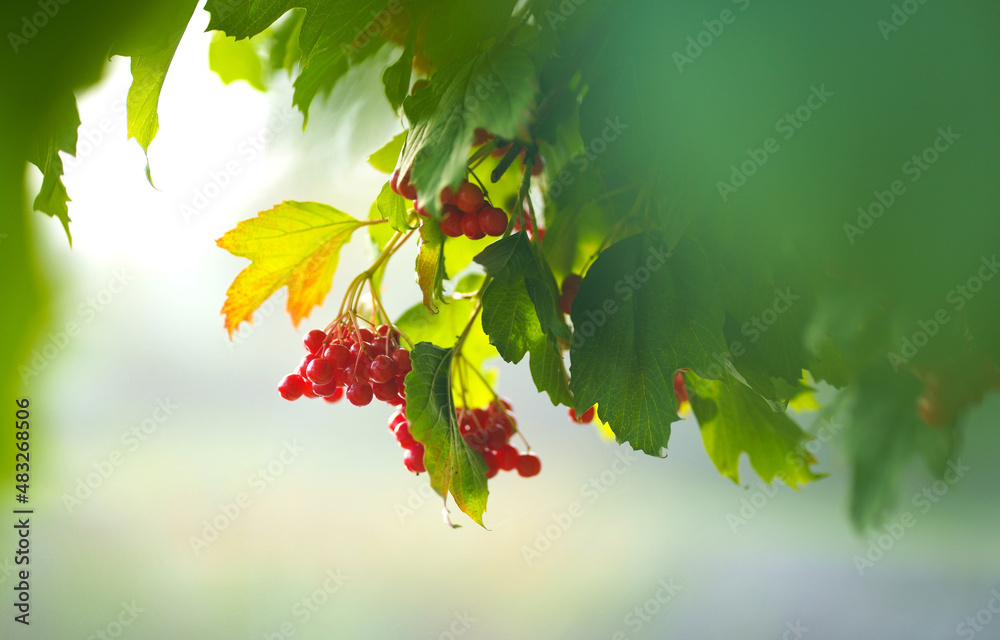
522	193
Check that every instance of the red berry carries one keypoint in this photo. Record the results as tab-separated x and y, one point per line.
418	85
492	464
386	391
421	64
469	197
403	436
586	417
451	221
495	437
679	389
360	368
447	196
501	151
394	182
414	458
324	390
314	340
538	167
528	465
492	221
383	369
482	136
471	228
320	371
359	393
507	457
338	393
402	359
571	286
303	363
572	283
406	189
338	354
343	377
292	387
395	420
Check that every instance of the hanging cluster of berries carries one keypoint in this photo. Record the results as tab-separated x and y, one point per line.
358	364
487	430
465	211
364	364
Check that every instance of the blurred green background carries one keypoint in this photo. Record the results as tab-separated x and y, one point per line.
152	382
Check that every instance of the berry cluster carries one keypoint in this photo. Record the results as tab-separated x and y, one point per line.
363	364
487	430
465	210
358	364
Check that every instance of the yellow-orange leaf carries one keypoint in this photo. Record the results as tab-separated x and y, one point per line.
295	244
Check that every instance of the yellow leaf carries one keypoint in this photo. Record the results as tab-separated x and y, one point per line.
295	244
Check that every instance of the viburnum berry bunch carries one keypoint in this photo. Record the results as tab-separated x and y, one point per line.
359	364
487	430
465	211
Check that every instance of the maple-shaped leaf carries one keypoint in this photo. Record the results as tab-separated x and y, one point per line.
641	314
44	154
331	36
734	420
454	467
295	244
494	89
151	51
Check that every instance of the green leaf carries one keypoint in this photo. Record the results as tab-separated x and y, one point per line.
494	89
443	329
549	373
385	158
392	207
509	319
396	79
457	27
882	436
507	260
52	198
284	49
430	264
454	467
641	314
734	420
234	60
326	38
516	260
149	66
